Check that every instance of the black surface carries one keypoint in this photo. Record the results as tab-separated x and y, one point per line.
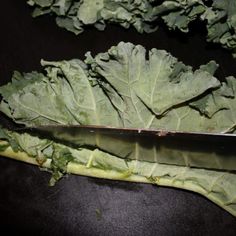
29	206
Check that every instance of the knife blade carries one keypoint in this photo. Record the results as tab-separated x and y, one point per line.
193	149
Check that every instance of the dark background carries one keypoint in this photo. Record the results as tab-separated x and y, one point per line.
87	206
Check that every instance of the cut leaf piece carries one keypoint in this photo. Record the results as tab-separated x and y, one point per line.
217	186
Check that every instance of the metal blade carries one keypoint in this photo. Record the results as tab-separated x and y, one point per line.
203	150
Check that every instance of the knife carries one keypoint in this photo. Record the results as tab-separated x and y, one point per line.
192	149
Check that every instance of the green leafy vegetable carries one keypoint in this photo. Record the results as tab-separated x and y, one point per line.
122	88
221	23
144	15
178	14
217	186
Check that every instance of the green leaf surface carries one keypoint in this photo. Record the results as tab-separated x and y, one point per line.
145	15
123	88
128	70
